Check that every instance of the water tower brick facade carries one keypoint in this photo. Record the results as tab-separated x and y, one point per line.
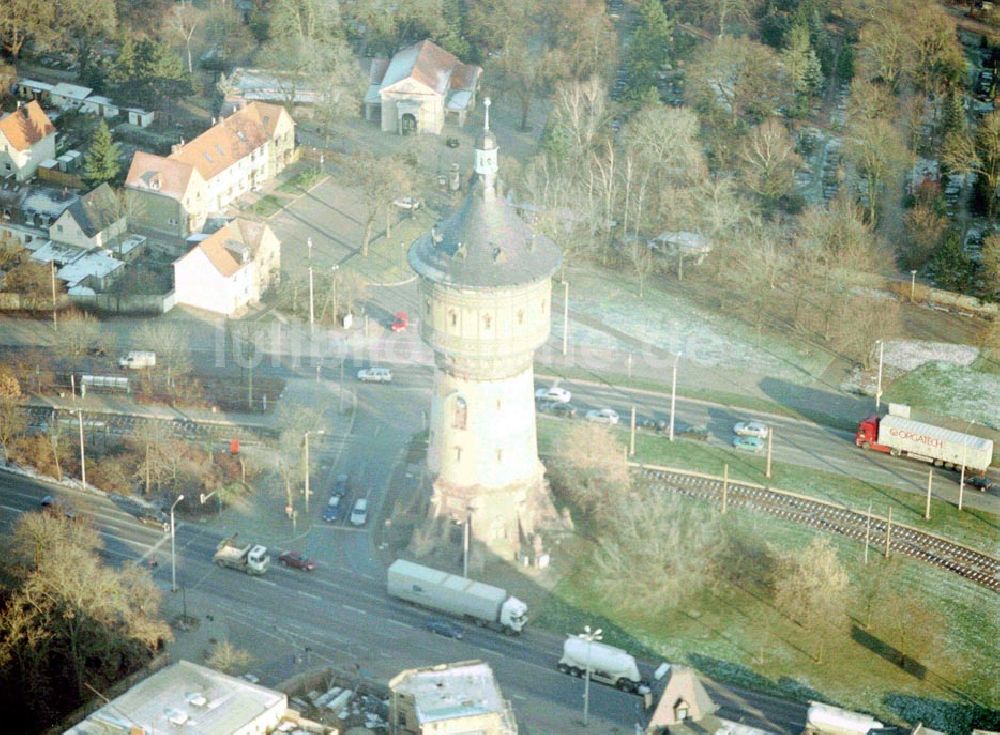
485	307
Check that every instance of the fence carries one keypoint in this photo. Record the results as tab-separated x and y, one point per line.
130	304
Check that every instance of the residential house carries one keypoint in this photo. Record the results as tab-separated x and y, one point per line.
228	269
449	699
27	137
191	698
234	156
171	196
420	89
26	211
683	702
83	271
93	221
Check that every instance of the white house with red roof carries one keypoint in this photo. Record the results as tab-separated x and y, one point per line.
234	156
229	269
420	89
27	137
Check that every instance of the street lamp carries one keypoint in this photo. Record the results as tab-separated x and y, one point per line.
312	313
913	284
218	499
565	316
465	542
673	395
306	439
965	456
590	636
173	550
55	321
334	268
878	387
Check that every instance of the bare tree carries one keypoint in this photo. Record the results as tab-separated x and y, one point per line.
769	161
878	152
170	343
78	334
183	21
812	589
380	180
589	467
227	658
980	155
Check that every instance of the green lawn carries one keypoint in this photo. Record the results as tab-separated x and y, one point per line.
386	261
302	181
975	528
970	392
267	205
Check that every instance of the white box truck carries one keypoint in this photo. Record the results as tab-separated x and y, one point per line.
249	558
453	594
897	435
137	360
607	664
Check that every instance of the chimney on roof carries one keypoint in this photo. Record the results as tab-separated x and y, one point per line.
19	103
177	147
215	121
65	193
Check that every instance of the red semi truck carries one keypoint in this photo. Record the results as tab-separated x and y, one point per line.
897	436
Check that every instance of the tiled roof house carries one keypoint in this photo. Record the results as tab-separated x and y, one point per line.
92	221
206	175
27	137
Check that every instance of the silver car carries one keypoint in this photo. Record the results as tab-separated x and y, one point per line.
602	416
751	428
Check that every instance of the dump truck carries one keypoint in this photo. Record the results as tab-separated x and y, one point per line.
137	360
607	664
249	558
897	436
453	594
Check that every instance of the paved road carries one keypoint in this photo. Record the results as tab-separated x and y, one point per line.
344	616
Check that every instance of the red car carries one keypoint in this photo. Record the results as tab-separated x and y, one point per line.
297	560
401	323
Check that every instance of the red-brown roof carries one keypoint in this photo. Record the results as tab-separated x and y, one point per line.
430	65
26	126
231	140
165	176
220	247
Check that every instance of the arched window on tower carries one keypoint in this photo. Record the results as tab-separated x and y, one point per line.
487	321
520	316
453	318
459	413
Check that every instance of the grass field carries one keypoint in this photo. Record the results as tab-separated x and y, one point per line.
732	632
975	528
970	392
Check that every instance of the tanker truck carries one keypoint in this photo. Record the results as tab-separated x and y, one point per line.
483	604
897	435
607	664
826	720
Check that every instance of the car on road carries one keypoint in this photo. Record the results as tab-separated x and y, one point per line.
332	511
562	410
375	375
695	432
444	627
156	519
553	393
748	443
297	560
340	484
751	428
401	320
982	484
48	501
359	514
411	203
602	416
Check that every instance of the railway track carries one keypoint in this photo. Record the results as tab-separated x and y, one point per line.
973	565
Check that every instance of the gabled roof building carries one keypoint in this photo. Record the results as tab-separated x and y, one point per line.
92	221
27	137
420	89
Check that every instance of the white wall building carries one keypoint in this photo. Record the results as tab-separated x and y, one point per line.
229	269
27	137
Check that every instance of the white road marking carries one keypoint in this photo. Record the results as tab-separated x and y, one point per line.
355	609
309	595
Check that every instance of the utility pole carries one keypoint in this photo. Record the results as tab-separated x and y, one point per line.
312	312
335	268
888	533
565	316
673	395
83	457
631	437
878	388
306	439
55	321
767	469
725	486
868	531
930	484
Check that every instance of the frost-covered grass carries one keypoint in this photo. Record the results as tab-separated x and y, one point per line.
670	322
962	391
732	632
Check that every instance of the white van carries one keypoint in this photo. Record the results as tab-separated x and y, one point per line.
137	360
359	516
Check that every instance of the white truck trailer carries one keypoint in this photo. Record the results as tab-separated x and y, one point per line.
607	664
137	360
250	558
823	719
453	594
898	435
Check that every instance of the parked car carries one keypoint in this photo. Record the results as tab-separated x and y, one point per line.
562	410
156	519
452	142
553	393
401	320
331	513
602	415
340	484
411	203
982	484
375	375
444	627
297	560
748	443
751	428
359	515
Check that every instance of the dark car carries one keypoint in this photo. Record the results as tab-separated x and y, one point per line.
982	484
156	519
452	142
564	410
48	501
297	560
340	485
333	509
695	432
445	628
